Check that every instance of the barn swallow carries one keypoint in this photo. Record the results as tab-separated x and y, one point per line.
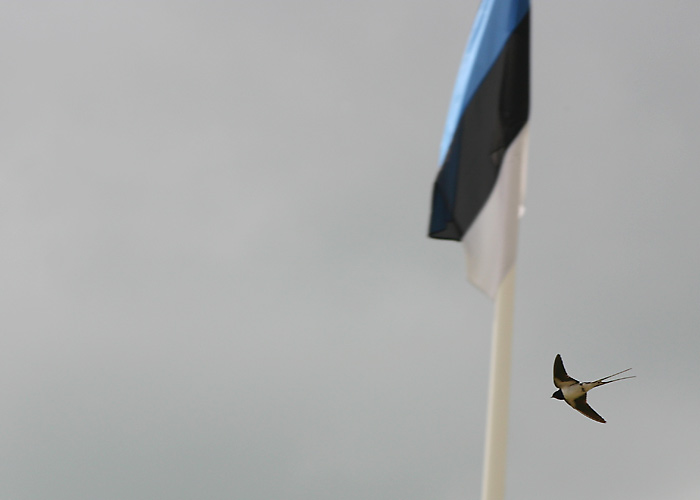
574	392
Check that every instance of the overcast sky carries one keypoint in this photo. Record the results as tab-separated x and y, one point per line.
216	281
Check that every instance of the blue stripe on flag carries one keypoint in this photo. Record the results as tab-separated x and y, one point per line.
494	23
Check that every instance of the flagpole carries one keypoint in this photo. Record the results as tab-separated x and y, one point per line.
495	453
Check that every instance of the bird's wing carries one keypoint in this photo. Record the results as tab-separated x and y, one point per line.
581	405
561	378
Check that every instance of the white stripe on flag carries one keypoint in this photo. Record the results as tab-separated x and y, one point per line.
491	241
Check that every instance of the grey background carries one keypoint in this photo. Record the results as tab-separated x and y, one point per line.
216	280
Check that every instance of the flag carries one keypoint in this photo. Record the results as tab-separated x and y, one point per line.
478	193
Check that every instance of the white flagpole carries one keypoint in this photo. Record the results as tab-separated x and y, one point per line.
495	454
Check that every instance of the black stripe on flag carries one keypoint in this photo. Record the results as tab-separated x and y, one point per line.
491	120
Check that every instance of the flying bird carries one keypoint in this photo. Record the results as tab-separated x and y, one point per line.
574	392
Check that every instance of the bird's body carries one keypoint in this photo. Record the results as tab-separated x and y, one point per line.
574	392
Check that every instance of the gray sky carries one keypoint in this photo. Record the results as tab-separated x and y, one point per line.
216	277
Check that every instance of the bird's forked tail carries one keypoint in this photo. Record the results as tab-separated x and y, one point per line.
600	380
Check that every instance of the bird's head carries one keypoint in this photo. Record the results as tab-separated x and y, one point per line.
558	395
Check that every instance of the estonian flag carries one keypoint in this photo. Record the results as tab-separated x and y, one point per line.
479	190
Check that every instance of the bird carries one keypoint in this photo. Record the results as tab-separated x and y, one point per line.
574	392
